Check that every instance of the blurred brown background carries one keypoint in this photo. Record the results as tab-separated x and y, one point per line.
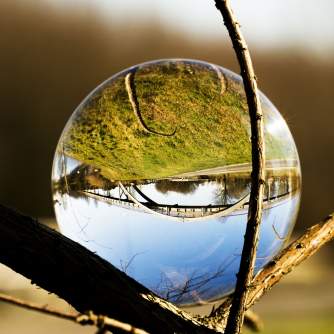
52	55
52	58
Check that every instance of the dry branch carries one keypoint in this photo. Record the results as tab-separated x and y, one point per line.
87	282
298	251
62	266
248	256
252	320
82	319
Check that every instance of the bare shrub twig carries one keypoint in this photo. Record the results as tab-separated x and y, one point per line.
248	256
290	257
83	319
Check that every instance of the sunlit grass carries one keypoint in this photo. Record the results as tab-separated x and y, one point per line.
212	129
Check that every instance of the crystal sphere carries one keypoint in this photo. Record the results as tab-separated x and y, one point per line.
152	172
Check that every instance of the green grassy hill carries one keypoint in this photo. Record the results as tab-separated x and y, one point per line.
210	123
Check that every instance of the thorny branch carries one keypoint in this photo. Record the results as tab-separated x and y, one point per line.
248	256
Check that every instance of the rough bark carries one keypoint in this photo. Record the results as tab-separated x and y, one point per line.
290	257
89	283
248	256
62	266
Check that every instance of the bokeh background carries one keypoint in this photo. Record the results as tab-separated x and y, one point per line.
54	52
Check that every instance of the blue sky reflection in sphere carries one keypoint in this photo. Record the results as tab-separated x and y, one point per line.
152	172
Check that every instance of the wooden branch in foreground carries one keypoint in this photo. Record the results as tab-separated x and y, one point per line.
82	319
252	320
87	282
298	251
246	271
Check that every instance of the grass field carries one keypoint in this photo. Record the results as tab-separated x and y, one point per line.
211	127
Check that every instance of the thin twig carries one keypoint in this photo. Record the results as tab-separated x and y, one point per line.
90	318
248	256
35	307
298	251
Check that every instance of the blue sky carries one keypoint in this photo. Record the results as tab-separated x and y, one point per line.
266	23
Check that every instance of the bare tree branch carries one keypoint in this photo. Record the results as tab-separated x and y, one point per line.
248	256
35	307
298	251
87	282
252	320
83	319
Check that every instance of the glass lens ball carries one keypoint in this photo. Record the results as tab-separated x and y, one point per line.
152	172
